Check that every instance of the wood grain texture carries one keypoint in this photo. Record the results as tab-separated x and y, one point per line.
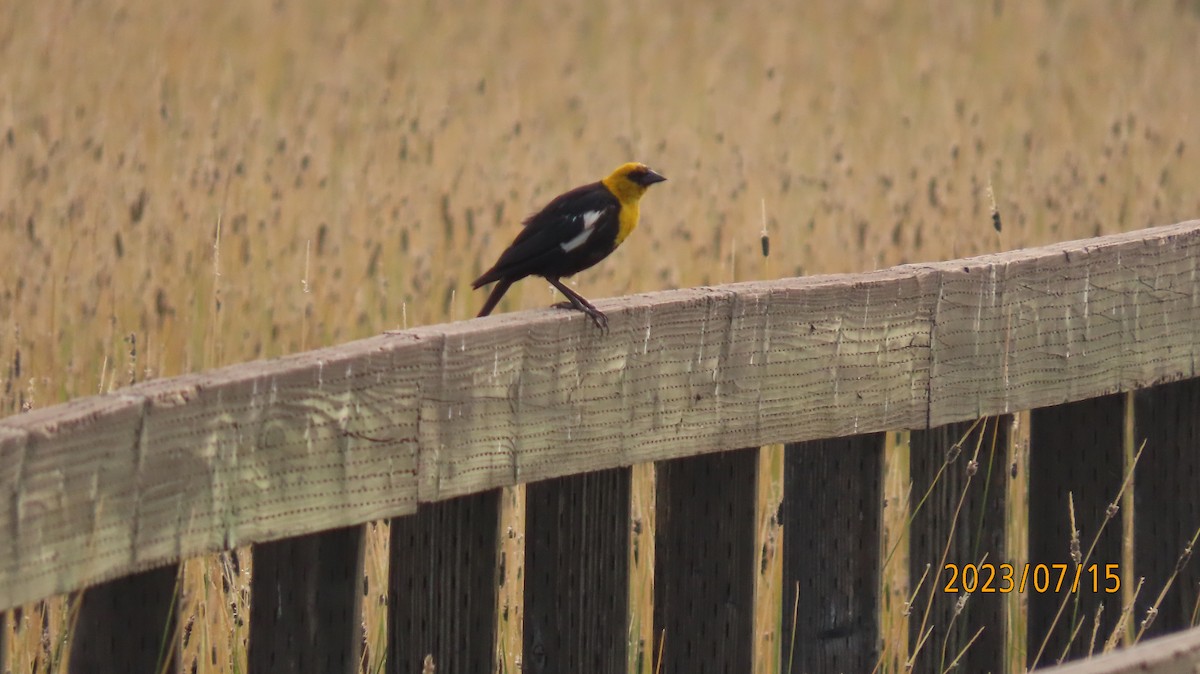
1045	326
106	486
681	373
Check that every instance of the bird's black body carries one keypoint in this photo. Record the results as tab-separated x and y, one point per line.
573	232
537	250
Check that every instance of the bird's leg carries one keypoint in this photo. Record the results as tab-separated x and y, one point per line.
581	304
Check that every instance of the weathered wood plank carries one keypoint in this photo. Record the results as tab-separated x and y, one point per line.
1174	654
107	485
120	483
831	517
577	573
1045	326
704	563
70	490
305	603
1166	510
12	443
680	373
127	625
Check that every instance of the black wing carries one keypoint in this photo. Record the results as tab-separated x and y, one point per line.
545	246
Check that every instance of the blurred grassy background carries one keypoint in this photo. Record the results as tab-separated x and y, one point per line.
361	165
187	185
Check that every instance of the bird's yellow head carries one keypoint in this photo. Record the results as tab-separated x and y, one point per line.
629	181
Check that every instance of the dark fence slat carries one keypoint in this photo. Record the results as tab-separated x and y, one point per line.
1166	510
442	586
978	530
704	562
1076	448
305	601
577	573
126	625
831	519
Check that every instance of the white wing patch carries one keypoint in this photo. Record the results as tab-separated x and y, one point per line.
589	222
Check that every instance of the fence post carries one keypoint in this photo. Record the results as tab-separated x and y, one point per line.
442	585
577	573
963	519
127	624
704	563
1076	449
831	535
305	601
1167	512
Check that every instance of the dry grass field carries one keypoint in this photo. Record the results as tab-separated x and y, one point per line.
188	185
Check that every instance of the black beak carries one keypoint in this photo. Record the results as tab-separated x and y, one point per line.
650	178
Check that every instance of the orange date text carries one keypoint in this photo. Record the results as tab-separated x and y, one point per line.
1039	578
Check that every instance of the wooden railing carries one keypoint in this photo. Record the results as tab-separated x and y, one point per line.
1075	355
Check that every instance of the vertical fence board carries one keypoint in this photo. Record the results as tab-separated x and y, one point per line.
442	585
895	587
964	534
126	625
305	601
1129	583
1016	545
704	562
768	560
831	519
1166	509
1075	448
642	524
577	573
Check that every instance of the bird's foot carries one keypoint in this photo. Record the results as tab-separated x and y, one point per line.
592	312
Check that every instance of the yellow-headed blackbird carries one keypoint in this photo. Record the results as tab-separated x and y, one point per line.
573	232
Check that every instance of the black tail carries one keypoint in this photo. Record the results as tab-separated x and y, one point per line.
493	299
